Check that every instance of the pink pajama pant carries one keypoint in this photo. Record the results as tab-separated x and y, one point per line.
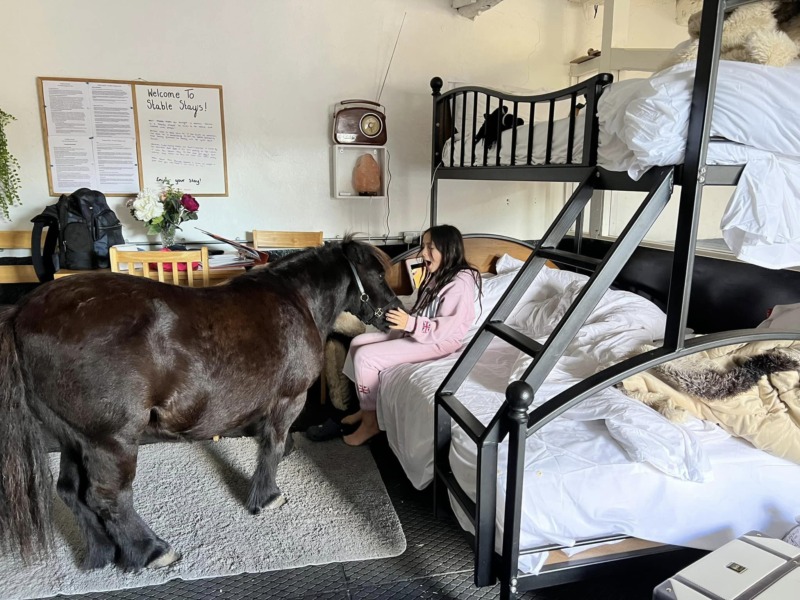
374	352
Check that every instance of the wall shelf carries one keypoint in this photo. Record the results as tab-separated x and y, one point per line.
344	161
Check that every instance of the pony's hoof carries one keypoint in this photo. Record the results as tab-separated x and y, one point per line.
272	504
276	502
166	559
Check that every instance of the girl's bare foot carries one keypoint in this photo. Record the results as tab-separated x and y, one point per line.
366	431
352	419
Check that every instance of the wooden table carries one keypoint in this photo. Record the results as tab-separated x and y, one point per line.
215	276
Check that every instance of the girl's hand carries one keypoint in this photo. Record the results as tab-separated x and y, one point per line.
398	318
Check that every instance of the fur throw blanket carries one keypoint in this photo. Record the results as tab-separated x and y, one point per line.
339	387
766	33
750	390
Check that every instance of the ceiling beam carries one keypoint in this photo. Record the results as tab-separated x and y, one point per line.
472	8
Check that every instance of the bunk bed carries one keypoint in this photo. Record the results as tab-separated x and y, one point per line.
492	493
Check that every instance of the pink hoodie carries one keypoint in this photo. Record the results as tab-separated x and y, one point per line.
455	313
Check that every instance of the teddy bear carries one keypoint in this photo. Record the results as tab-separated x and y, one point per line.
766	33
488	130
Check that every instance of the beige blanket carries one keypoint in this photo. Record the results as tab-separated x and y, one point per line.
751	390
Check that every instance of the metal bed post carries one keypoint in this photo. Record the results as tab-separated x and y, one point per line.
519	396
438	134
693	174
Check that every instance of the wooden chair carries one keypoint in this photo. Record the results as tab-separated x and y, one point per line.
286	239
17	240
186	257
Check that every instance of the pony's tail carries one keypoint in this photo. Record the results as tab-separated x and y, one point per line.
25	479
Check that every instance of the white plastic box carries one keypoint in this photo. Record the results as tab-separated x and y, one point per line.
751	567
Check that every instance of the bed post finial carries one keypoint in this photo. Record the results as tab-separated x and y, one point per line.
519	395
436	85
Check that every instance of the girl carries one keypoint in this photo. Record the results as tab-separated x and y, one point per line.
440	318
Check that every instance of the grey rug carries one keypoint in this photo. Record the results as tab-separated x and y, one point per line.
192	496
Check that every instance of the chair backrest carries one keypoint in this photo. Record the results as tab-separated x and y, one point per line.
152	264
17	273
286	239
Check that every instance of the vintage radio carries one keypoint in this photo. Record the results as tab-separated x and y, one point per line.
359	122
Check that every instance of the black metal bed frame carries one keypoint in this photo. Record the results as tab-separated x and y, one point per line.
513	419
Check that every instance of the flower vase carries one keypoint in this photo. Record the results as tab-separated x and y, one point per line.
168	237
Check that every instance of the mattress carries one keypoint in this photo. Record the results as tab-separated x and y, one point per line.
610	465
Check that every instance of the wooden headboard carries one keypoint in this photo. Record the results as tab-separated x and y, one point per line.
482	252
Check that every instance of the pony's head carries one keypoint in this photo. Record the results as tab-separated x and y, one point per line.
369	296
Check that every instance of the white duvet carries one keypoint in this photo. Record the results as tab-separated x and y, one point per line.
610	465
644	123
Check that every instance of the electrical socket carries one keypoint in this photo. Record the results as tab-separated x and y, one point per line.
408	236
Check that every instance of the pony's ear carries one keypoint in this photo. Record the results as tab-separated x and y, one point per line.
356	251
360	252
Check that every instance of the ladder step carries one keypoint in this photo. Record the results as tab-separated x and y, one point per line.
569	258
468	422
516	338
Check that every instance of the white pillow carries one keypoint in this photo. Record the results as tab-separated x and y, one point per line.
508	263
548	282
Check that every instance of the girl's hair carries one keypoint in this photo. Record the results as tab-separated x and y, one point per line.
450	243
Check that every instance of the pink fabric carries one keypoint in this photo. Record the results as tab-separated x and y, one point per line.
455	314
425	339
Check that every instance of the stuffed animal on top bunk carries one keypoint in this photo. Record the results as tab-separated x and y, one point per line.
489	129
765	33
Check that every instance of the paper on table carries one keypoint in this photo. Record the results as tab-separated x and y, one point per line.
245	252
223	261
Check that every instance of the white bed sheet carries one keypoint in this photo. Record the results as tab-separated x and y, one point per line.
580	480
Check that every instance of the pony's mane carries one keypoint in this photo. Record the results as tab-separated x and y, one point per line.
312	255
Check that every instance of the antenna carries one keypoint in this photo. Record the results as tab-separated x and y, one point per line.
391	58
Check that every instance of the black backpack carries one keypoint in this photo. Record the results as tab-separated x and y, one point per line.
81	229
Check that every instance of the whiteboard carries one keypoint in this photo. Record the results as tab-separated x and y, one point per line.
120	137
181	137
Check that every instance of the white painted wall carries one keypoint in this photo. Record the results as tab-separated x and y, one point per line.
652	25
283	64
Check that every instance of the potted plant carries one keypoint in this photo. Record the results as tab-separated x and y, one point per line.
9	169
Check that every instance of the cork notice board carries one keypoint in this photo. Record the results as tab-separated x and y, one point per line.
120	137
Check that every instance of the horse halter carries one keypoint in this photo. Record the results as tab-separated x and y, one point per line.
377	313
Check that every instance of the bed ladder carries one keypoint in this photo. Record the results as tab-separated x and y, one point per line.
545	356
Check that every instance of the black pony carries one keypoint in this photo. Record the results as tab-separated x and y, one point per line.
98	360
